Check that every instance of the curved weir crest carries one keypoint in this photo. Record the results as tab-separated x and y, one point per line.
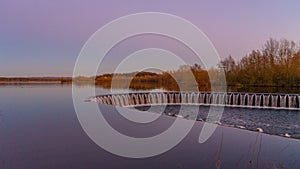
249	100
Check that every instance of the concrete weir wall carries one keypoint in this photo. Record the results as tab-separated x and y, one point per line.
251	100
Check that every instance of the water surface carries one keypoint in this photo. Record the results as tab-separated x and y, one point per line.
39	129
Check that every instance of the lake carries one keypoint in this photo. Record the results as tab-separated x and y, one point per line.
39	129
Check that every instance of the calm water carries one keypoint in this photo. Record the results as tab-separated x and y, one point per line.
39	129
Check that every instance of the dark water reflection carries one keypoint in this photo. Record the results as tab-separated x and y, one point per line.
39	130
280	89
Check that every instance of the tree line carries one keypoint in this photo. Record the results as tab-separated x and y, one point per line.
277	64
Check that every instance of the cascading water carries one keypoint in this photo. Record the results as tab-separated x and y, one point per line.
276	101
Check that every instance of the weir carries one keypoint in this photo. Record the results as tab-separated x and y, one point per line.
250	100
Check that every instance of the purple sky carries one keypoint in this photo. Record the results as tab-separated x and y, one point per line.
39	37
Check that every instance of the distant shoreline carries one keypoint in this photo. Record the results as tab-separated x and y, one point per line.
89	80
29	80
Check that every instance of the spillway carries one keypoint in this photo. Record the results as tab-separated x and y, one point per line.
250	100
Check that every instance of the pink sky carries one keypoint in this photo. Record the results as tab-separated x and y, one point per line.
40	37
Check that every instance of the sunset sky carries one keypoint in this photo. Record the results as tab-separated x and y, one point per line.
43	37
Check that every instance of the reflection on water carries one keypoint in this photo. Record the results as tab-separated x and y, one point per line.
39	129
146	86
283	89
187	87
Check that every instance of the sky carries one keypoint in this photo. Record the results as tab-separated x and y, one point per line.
44	37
